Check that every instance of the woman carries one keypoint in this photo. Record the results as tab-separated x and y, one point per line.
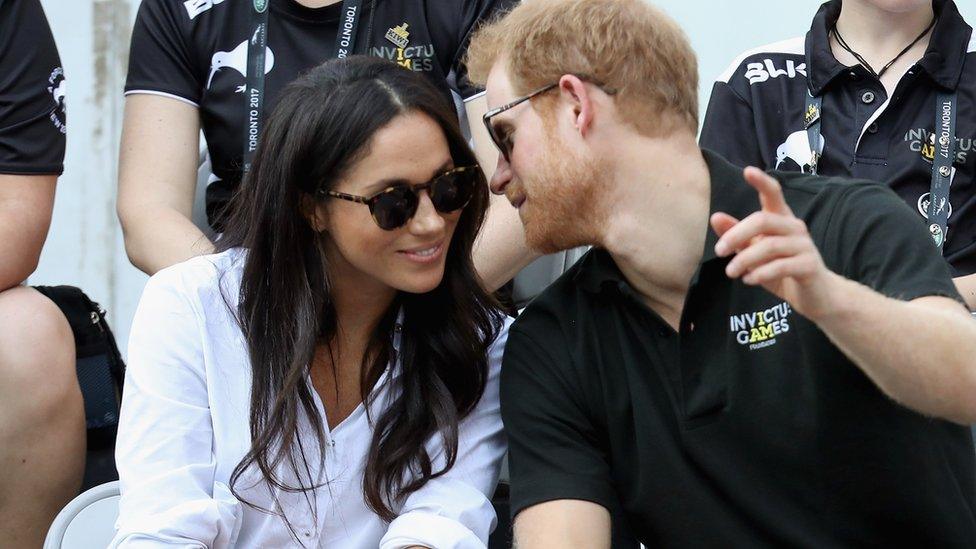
329	377
869	85
188	72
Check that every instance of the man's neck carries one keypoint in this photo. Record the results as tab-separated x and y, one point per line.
660	200
879	35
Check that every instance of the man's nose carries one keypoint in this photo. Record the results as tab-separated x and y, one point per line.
502	176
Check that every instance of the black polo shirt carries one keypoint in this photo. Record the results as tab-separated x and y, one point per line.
196	51
755	117
32	92
748	427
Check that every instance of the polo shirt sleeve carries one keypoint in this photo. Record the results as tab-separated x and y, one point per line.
472	14
32	92
875	239
730	127
160	55
554	451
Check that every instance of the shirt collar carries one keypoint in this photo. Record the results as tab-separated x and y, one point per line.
729	193
943	60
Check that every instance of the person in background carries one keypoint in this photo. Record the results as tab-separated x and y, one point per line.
874	86
328	378
743	359
42	418
187	72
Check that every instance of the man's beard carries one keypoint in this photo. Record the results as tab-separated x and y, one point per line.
562	207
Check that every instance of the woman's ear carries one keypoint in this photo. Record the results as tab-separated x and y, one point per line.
314	213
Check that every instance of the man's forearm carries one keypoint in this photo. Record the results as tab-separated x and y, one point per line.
920	353
159	237
500	251
967	288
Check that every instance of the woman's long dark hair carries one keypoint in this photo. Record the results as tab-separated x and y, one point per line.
323	123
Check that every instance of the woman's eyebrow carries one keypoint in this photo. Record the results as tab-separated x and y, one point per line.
390	182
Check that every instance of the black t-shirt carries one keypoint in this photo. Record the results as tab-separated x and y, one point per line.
196	50
747	427
756	117
32	92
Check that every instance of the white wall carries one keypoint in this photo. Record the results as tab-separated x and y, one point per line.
85	244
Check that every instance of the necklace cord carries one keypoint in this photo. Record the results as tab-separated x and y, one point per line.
865	64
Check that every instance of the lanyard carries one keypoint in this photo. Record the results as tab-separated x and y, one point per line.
944	154
256	53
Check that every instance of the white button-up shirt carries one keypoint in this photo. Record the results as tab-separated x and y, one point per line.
184	427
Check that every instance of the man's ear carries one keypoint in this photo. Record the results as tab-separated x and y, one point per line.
314	213
573	90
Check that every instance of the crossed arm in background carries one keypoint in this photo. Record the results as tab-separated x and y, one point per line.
158	165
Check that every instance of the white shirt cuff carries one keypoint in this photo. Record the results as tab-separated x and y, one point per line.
429	530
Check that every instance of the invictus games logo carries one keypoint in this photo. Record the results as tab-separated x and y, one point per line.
761	328
57	88
923	142
416	58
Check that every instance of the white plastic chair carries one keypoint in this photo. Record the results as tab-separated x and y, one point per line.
88	521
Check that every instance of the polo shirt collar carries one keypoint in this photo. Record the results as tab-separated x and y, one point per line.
730	193
943	60
946	54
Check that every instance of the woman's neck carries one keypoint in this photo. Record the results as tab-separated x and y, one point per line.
359	309
879	35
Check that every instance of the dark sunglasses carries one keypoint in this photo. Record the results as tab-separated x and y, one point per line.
394	206
503	144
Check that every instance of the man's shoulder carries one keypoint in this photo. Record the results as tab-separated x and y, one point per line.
824	201
554	311
798	185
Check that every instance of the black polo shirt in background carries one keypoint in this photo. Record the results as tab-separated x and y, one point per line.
195	51
755	117
32	92
748	428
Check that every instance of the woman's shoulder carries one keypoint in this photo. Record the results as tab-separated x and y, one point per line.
203	279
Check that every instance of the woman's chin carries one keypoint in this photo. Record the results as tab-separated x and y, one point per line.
420	284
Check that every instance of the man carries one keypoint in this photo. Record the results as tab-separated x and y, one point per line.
42	419
743	359
879	74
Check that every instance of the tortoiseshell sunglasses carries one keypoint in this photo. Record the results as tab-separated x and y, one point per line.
392	207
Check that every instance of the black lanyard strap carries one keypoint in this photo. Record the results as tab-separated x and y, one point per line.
256	53
942	170
348	25
944	155
811	121
254	80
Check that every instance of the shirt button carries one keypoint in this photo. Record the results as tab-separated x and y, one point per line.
854	76
867	97
873	128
